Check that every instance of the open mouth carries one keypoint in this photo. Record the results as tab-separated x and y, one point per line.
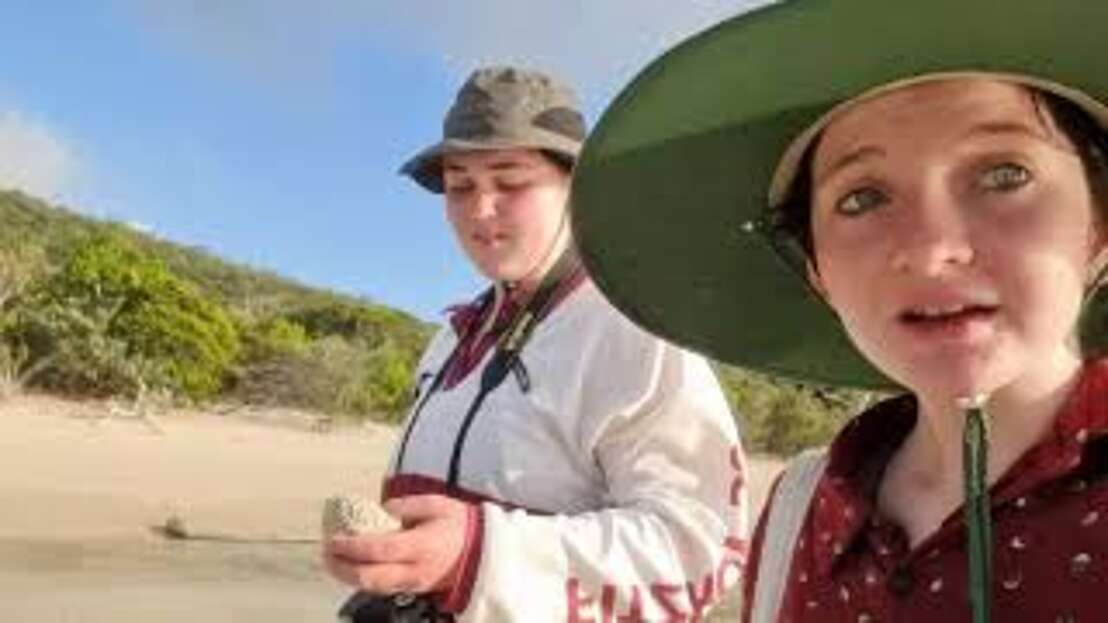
947	316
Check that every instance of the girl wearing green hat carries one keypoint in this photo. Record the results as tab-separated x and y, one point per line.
910	196
559	463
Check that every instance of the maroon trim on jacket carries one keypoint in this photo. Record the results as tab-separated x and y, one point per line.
459	585
458	588
467	320
401	485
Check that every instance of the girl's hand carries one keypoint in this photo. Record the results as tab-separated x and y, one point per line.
421	557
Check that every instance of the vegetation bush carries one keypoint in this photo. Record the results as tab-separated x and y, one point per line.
113	320
96	308
780	417
332	374
273	337
385	386
373	326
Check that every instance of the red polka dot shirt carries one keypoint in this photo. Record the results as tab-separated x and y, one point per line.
1050	530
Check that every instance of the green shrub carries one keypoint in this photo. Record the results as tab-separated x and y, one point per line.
331	374
274	367
98	308
273	337
371	324
113	319
383	387
780	417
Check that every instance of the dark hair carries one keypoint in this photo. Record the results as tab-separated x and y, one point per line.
560	160
793	219
1089	138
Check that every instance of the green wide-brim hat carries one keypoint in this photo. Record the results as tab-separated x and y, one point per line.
673	186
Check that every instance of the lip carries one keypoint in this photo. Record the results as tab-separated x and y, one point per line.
489	239
949	312
961	321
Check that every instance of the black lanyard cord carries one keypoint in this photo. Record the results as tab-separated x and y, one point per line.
435	384
506	357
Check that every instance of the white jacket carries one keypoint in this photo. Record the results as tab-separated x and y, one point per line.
613	487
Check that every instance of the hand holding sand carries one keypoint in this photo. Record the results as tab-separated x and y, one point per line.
421	557
353	515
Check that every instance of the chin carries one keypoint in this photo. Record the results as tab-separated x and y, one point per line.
953	378
499	271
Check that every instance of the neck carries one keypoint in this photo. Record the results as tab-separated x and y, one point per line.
1019	414
922	484
523	289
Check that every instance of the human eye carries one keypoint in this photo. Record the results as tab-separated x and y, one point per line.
513	182
1005	177
456	188
860	201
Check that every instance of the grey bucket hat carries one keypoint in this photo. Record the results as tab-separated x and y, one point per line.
504	108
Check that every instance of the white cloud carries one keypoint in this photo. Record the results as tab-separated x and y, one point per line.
598	44
33	158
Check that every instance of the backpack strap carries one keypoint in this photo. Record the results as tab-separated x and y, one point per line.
787	512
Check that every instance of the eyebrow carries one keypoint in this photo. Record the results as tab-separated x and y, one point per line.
505	165
1005	127
856	155
992	128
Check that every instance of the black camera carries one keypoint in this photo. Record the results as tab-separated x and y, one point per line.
401	608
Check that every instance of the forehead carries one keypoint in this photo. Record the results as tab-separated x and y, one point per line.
491	160
948	106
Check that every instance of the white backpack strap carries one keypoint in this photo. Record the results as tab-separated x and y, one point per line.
787	511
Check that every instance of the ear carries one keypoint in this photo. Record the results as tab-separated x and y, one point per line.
816	281
1098	268
1098	261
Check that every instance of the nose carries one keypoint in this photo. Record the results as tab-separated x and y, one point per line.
483	204
934	237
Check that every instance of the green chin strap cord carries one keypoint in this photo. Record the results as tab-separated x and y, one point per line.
975	458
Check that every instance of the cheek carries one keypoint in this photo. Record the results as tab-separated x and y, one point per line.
1052	253
837	291
849	262
536	216
455	216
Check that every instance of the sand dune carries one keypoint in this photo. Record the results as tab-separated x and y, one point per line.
81	496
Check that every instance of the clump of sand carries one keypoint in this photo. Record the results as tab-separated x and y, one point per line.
353	515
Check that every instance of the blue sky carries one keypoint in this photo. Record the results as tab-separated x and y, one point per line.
269	131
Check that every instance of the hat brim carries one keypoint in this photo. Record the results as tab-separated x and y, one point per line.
426	166
686	155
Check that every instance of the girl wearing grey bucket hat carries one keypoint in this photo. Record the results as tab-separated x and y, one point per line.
901	195
559	463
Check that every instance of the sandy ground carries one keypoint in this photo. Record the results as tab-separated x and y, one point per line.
81	496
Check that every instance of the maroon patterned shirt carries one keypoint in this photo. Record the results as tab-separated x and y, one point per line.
1050	530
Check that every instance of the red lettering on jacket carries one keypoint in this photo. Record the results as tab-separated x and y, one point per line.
739	481
608	606
732	563
701	600
576	600
736	549
607	603
634	610
664	596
